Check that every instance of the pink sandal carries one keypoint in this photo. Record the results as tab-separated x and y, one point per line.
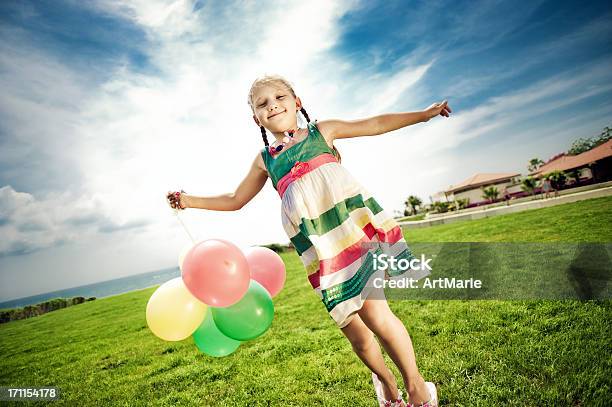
399	402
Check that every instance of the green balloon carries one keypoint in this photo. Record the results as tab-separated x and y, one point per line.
211	341
248	318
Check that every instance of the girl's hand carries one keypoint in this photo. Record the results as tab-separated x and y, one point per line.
174	202
442	109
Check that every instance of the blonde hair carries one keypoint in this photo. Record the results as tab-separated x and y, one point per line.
265	80
276	79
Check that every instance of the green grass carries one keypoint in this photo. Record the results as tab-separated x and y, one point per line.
584	221
486	353
411	218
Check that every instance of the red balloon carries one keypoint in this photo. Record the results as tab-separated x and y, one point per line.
216	272
267	268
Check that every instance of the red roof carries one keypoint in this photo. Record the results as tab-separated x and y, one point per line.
480	179
568	162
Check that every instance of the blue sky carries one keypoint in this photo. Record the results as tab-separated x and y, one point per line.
106	105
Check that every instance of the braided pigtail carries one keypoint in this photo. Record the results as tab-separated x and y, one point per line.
308	120
305	114
264	136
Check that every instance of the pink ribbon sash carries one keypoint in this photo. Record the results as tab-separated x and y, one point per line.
301	168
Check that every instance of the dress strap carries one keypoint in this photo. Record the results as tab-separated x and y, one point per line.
266	159
312	126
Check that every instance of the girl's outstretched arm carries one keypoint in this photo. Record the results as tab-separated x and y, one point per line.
384	123
248	188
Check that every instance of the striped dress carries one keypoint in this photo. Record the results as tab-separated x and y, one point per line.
334	223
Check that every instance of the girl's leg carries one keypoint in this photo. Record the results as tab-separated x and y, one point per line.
368	350
378	317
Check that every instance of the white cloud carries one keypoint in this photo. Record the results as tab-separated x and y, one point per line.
124	142
28	224
137	135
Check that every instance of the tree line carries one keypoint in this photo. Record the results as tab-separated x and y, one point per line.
42	308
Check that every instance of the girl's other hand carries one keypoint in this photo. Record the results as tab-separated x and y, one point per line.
442	109
174	202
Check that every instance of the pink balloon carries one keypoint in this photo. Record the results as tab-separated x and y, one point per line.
267	268
216	272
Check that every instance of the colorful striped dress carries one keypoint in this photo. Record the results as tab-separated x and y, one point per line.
334	223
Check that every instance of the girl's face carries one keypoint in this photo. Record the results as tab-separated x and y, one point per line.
275	107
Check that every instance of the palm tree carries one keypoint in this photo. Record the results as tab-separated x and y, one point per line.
412	202
490	193
557	179
529	185
534	164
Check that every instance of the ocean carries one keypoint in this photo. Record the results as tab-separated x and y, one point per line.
100	289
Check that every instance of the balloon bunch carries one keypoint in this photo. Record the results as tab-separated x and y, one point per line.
222	298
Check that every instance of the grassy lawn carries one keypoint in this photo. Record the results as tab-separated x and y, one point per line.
411	218
486	353
584	221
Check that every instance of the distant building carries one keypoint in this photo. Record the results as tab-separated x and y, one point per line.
471	188
593	166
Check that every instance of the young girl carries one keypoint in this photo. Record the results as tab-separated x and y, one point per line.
329	217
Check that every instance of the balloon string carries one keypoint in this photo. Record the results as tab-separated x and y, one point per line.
176	212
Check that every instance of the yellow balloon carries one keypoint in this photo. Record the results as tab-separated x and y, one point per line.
173	313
